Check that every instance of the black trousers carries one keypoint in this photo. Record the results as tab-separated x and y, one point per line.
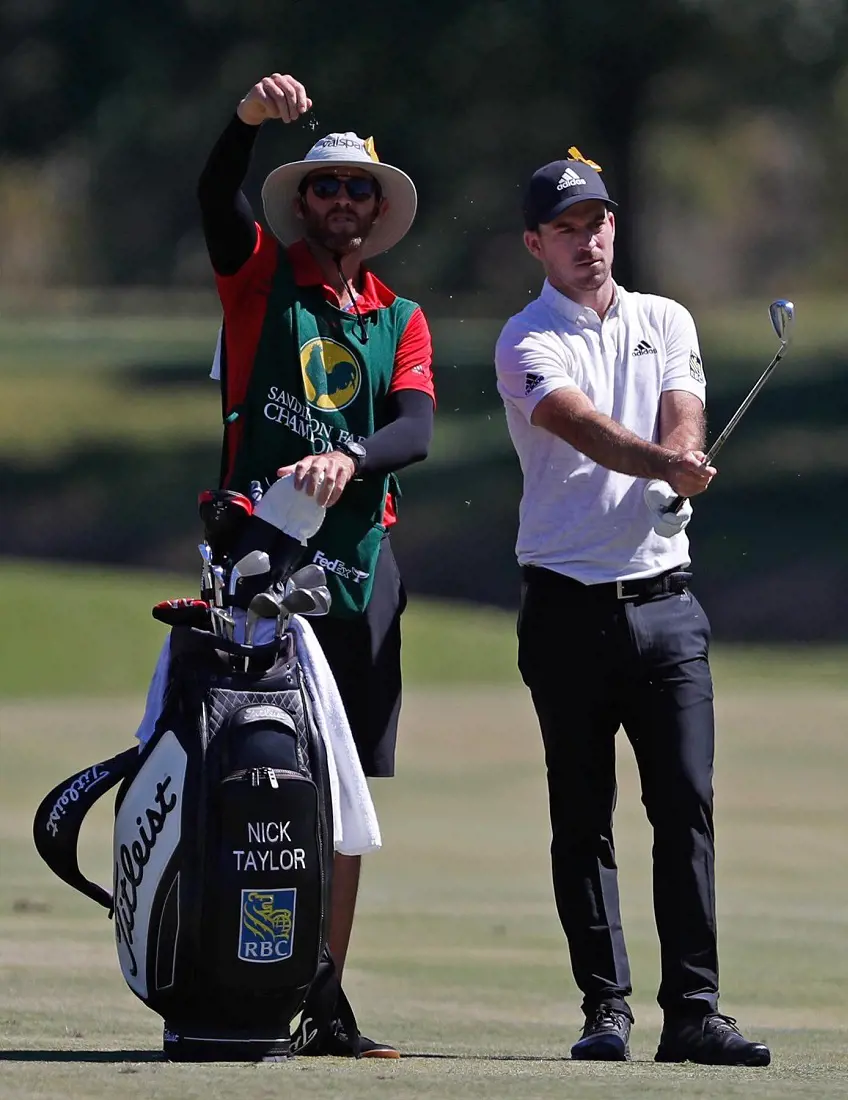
594	663
364	655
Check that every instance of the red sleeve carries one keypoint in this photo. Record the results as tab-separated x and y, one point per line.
256	271
414	357
244	297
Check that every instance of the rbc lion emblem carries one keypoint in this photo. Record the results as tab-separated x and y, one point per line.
331	374
267	925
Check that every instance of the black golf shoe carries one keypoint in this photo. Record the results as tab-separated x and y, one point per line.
334	1042
712	1040
605	1038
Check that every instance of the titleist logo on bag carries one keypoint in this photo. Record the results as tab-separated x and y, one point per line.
147	832
83	782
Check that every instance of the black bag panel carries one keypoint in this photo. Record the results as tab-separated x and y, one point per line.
272	873
268	888
165	960
241	918
61	813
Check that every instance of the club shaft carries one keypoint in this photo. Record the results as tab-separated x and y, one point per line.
743	408
678	501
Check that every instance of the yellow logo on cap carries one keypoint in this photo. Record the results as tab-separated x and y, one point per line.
370	150
331	375
575	154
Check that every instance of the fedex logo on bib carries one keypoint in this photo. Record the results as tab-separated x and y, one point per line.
266	932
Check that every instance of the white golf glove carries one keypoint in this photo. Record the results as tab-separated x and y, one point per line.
659	497
290	510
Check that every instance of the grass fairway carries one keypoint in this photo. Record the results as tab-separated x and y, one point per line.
457	955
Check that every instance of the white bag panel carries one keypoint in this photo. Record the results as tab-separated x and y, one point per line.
147	832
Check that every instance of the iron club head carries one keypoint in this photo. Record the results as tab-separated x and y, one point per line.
253	564
266	605
782	314
322	600
308	576
300	601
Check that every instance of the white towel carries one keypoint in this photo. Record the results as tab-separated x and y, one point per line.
155	695
355	827
354	816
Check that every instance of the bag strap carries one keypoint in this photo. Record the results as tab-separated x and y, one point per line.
327	1013
59	817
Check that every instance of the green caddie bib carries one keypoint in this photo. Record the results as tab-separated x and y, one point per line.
320	376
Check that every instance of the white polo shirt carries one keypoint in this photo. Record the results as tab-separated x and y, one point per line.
577	517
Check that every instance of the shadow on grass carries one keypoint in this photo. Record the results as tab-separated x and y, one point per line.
116	1056
505	1058
81	1056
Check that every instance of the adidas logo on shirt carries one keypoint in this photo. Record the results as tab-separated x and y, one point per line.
531	381
644	348
569	178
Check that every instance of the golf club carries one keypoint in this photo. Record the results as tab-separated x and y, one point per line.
308	576
300	601
782	316
264	605
323	600
218	584
253	564
223	624
297	601
206	570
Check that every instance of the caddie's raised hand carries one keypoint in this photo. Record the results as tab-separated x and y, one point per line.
688	475
275	96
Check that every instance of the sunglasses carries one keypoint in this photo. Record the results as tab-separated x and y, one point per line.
358	188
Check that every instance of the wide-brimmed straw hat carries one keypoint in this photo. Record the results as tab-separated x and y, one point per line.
333	152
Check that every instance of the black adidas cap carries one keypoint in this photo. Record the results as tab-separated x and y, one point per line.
558	185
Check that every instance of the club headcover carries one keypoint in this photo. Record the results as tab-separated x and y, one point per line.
182	612
223	513
291	510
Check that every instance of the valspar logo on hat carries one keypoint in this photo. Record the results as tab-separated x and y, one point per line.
561	184
334	145
336	152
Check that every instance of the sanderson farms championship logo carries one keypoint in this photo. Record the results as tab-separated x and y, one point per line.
331	374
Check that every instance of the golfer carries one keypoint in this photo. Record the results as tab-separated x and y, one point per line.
604	397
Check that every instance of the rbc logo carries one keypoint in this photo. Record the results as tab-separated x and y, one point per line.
266	934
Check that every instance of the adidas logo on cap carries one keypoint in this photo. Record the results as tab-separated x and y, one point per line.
569	178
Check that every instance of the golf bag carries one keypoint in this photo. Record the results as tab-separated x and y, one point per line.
223	852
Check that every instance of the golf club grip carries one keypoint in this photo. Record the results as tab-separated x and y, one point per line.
676	505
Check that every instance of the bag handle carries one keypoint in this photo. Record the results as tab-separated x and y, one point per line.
59	817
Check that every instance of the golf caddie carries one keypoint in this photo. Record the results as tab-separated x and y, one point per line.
326	375
604	394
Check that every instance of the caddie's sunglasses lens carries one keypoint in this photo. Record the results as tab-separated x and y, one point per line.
359	188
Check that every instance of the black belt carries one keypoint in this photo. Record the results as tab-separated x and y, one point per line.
672	582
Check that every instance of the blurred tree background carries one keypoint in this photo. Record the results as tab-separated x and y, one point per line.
721	126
